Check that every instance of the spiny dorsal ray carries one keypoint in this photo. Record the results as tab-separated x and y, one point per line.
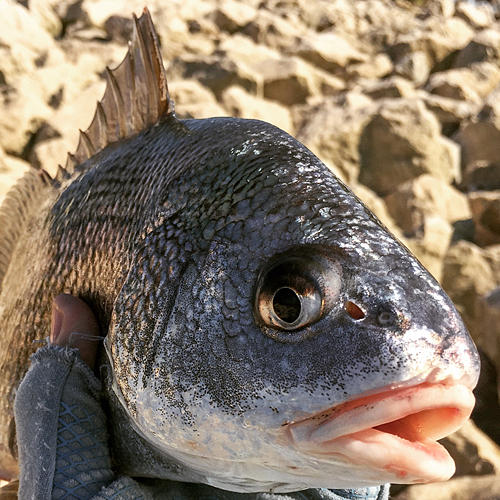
136	96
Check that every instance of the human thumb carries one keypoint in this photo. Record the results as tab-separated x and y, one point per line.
74	325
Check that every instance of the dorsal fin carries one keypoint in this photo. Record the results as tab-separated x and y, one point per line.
16	211
136	96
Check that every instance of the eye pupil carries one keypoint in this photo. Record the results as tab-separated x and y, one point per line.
286	304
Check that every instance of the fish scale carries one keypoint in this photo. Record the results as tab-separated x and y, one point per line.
188	238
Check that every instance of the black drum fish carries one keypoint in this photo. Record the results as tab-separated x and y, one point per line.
264	331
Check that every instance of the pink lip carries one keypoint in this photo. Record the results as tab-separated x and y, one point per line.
394	431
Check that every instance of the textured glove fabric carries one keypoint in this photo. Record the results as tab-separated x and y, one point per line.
63	444
61	431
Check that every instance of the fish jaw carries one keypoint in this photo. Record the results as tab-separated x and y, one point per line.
394	431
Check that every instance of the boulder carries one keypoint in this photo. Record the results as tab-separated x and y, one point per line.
402	141
273	30
430	243
437	38
476	15
485	46
216	72
232	16
241	104
45	16
485	206
243	49
22	111
474	453
392	87
329	51
415	66
492	255
290	80
376	67
467	275
481	175
332	130
467	84
450	112
487	329
480	140
426	196
462	488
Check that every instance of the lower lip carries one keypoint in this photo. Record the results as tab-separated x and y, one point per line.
402	448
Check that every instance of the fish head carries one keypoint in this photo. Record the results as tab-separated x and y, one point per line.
273	335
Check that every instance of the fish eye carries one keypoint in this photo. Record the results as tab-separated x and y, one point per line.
293	292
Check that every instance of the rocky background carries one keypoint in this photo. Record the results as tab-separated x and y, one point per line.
400	99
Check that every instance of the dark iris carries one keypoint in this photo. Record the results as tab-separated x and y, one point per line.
286	305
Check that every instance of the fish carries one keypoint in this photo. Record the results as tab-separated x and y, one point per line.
263	329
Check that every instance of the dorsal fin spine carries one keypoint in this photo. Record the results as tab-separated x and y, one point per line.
118	100
136	95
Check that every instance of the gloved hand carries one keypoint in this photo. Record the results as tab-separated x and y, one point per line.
61	428
60	425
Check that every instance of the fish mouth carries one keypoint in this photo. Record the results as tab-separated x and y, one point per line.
393	433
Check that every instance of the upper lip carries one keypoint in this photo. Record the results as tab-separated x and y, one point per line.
418	413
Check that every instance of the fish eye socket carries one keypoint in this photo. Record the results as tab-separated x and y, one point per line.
295	290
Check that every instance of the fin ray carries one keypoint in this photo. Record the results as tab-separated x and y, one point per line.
15	212
136	95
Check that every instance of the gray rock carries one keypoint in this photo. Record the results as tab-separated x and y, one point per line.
329	51
468	84
232	16
290	80
333	128
424	197
463	488
485	207
476	15
402	141
414	66
392	87
467	275
243	105
474	453
485	46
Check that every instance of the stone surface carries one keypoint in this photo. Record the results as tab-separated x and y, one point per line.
474	453
463	488
450	112
332	130
402	141
485	207
329	51
243	105
426	196
487	329
481	175
478	16
465	84
414	66
467	275
392	87
232	16
485	46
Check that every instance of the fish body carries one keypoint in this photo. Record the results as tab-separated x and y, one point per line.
265	332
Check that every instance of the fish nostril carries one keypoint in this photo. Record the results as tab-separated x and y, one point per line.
353	310
386	318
